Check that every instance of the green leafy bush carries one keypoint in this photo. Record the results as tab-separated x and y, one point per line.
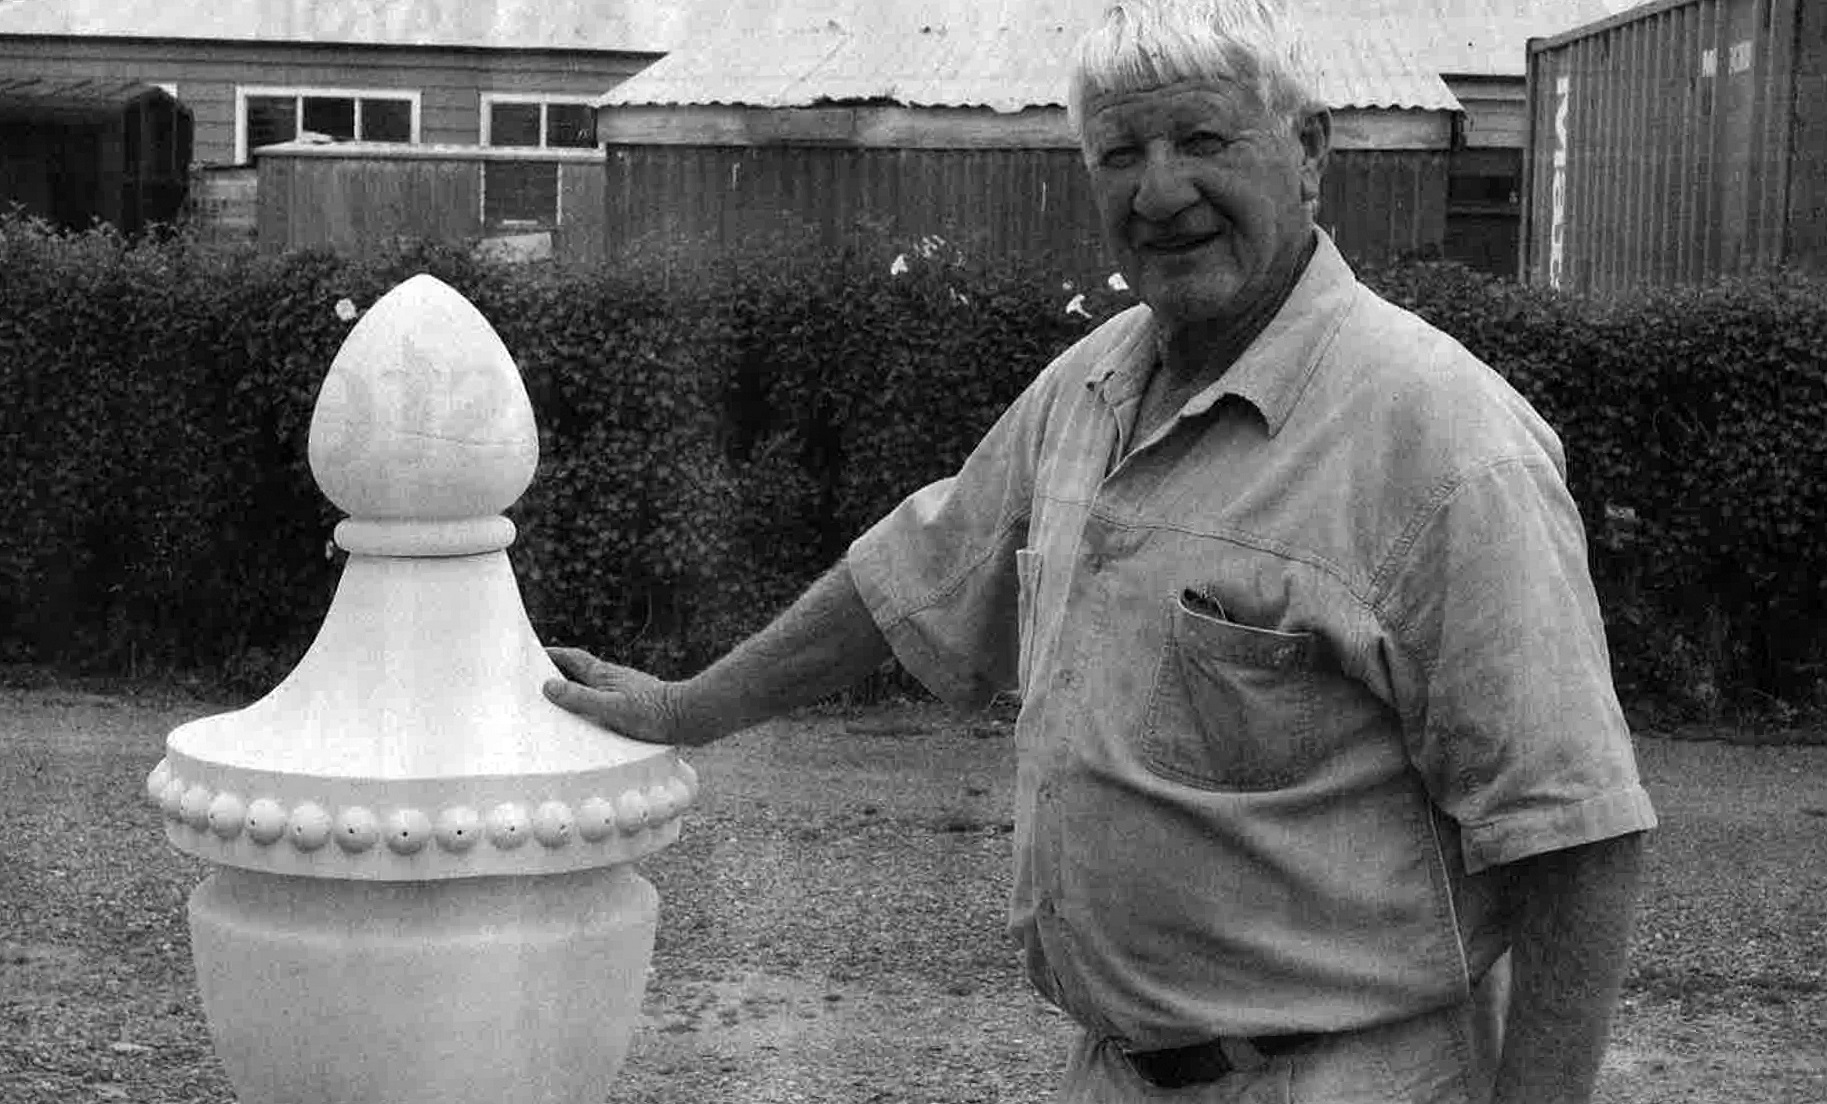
713	436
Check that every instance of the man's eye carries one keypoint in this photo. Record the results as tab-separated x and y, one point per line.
1205	143
1120	157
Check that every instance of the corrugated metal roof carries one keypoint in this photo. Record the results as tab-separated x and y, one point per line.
642	26
1453	37
1005	57
34	98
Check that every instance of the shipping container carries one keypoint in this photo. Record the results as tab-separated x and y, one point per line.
1679	141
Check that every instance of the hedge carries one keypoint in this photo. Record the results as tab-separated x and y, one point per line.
713	436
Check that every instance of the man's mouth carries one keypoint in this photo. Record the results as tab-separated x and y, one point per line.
1176	244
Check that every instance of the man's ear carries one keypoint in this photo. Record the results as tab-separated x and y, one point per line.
1314	132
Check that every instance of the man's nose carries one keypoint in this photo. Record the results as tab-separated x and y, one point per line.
1166	188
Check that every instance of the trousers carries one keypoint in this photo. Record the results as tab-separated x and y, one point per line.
1448	1056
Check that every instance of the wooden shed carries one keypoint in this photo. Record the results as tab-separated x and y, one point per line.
80	151
855	123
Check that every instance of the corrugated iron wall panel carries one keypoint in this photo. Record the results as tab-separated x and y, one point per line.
1666	145
1000	204
1806	217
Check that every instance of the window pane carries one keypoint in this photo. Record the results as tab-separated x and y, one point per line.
572	125
519	194
513	124
332	115
271	119
386	120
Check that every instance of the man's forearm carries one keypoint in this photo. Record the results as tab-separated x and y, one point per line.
822	643
1572	913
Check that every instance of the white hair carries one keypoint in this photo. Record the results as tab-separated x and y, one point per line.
1144	44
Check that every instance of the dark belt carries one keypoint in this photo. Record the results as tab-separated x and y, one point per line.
1204	1062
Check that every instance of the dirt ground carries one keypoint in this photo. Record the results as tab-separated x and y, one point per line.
831	922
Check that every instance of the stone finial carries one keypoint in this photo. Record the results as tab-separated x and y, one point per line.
423	432
413	735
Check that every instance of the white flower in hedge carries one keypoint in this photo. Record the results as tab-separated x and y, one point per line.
899	267
959	297
1077	306
1117	283
346	310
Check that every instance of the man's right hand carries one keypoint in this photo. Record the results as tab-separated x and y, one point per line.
628	702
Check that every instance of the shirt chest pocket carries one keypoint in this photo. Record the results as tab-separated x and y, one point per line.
1232	706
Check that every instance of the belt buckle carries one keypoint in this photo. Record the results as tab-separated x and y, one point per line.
1197	1064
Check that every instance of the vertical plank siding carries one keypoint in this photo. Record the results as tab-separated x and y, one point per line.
1667	145
358	203
1031	204
1384	205
992	203
1806	217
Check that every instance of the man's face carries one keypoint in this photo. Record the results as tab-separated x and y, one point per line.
1201	194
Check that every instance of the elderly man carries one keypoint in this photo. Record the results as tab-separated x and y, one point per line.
1323	792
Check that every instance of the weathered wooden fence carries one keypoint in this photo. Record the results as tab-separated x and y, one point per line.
355	197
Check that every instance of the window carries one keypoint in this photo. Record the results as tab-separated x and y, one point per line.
269	115
537	122
524	194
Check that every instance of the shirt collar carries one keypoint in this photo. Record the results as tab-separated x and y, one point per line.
1274	371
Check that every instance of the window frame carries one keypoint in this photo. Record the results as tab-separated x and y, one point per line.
299	93
488	100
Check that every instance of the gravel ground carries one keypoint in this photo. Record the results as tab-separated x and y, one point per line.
831	921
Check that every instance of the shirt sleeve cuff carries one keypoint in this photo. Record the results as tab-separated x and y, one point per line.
1556	828
914	650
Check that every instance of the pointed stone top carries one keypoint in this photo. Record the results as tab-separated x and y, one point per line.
423	424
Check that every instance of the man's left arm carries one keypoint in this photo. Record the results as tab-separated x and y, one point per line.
1571	913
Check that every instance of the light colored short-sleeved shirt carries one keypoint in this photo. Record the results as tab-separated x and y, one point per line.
1295	672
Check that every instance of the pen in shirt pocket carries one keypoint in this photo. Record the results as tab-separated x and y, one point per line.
1204	600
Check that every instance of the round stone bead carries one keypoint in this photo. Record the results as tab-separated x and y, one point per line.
265	821
508	826
681	795
596	820
631	811
408	831
310	827
171	800
458	829
552	824
357	829
226	813
194	809
660	804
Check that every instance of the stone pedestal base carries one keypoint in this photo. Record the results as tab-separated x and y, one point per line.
469	991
